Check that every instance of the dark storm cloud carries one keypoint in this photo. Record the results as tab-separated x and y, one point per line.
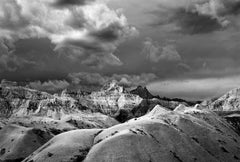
91	54
12	62
189	22
84	30
232	8
82	45
99	50
92	81
66	3
111	33
194	23
197	17
8	60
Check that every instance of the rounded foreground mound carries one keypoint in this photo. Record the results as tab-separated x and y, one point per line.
183	135
67	147
17	142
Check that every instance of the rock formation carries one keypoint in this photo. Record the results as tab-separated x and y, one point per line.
161	135
142	92
111	99
227	106
79	126
52	113
228	102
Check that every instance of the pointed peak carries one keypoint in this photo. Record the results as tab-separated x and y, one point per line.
113	86
142	92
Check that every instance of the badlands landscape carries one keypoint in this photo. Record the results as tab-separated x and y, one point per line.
119	81
116	125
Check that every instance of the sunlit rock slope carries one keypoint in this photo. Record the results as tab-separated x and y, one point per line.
186	134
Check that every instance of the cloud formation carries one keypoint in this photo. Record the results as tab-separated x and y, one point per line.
98	80
8	61
92	81
198	16
82	29
204	88
67	3
154	52
100	60
49	86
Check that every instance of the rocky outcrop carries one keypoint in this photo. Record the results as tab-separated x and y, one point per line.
228	102
185	134
113	87
111	99
29	118
51	113
13	99
227	106
83	127
21	101
148	104
234	120
142	92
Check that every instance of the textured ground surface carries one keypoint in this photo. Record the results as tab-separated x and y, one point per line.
17	142
161	135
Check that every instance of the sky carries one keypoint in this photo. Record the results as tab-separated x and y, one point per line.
177	48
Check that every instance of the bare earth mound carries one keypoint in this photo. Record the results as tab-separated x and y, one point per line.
17	142
161	135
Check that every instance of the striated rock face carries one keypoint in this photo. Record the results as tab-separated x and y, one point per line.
21	101
79	126
111	99
13	99
51	113
227	106
16	92
228	102
112	87
185	134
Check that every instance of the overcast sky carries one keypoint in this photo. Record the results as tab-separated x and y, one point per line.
178	48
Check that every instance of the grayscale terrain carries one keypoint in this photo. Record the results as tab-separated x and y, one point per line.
114	124
119	81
